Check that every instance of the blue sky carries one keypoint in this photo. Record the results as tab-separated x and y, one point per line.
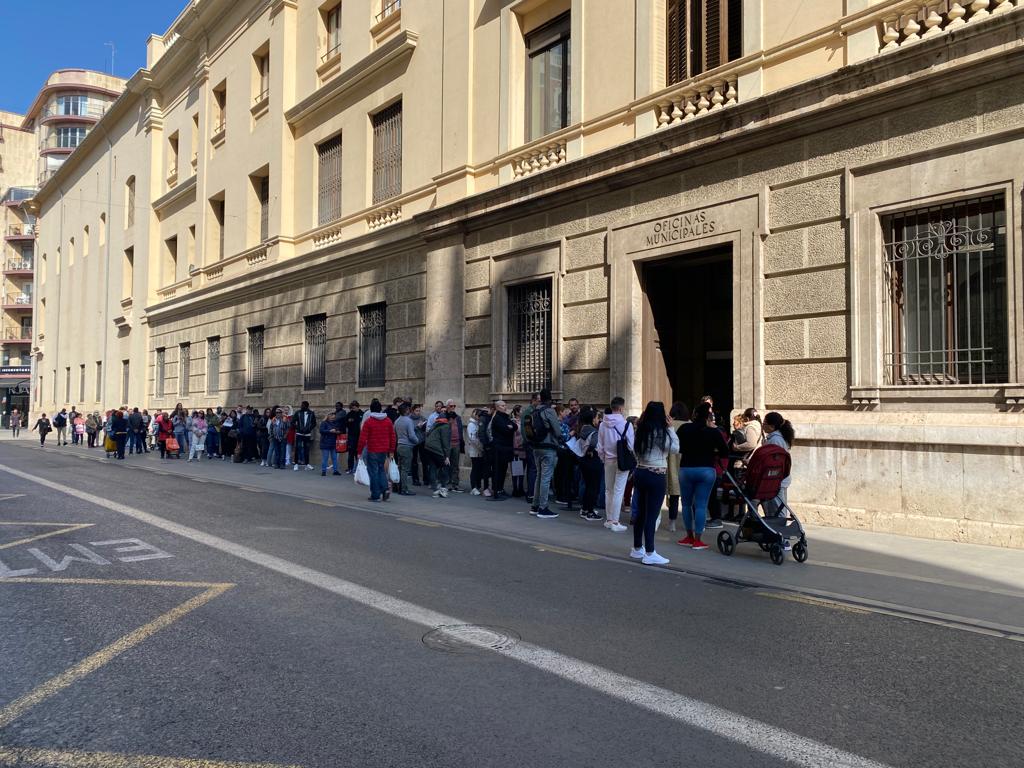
73	35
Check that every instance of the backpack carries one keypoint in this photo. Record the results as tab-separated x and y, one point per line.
60	421
626	458
537	428
485	435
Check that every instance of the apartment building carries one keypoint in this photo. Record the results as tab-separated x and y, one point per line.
795	206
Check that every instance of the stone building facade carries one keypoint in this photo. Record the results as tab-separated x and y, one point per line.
822	222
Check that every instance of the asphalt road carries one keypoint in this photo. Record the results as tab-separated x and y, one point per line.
201	625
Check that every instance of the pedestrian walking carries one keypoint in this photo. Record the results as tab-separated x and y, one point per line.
701	447
60	423
42	426
15	423
544	433
615	437
378	439
655	442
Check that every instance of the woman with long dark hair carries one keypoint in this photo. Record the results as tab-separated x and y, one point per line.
591	466
778	431
654	443
701	447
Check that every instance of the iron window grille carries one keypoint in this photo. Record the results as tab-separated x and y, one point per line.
946	274
99	379
67	383
329	180
387	153
548	70
213	365
160	372
314	364
701	35
81	383
125	379
131	202
184	367
254	362
388	7
264	188
372	345
529	337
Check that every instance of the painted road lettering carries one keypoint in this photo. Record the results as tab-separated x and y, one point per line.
124	551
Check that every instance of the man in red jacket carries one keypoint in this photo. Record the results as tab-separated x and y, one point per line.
377	438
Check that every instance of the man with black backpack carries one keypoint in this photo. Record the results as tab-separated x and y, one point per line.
543	432
60	423
615	447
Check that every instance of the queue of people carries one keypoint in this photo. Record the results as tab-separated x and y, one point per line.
615	469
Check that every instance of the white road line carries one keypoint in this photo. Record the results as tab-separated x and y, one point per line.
748	732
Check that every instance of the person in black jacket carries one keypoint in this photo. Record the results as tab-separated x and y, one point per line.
43	425
502	431
304	422
119	426
353	423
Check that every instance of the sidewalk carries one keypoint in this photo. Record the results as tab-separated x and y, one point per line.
965	585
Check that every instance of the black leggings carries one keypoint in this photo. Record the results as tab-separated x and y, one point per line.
502	458
476	473
591	468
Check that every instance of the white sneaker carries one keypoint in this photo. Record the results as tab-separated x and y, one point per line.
654	559
475	492
443	492
309	467
638	553
295	468
263	463
615	527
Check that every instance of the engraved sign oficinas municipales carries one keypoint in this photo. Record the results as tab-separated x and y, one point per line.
686	226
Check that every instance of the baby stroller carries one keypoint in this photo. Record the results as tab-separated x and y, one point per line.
760	482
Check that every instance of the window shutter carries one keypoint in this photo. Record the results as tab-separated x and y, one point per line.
329	180
713	31
734	25
675	25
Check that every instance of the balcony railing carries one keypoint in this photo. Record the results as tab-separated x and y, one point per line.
15	370
56	141
18	300
18	230
388	7
19	265
17	194
92	110
17	334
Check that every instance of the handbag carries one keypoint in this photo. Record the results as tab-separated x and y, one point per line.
362	476
518	468
171	444
393	473
577	446
341	443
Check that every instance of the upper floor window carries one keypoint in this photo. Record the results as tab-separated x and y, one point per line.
947	277
388	8
263	192
547	78
172	159
69	138
262	62
329	180
220	107
129	211
72	105
387	153
701	35
332	24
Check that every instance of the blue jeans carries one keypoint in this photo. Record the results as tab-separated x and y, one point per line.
695	486
378	477
546	460
212	443
328	455
275	458
183	442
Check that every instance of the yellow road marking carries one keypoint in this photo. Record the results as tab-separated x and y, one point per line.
69	677
414	521
321	502
560	551
815	601
68	528
17	756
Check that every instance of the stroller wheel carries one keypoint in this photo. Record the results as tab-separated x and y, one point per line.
725	543
800	552
776	554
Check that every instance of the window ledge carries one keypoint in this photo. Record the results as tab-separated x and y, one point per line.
170	291
219	136
387	26
261	107
126	303
1012	394
176	193
330	67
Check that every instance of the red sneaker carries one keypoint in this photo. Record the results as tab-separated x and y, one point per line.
686	541
698	544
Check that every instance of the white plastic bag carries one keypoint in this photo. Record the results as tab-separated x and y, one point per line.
362	476
393	474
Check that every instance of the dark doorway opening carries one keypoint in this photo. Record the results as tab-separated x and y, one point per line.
687	329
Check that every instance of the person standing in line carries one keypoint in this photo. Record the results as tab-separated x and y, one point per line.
228	435
531	461
263	435
590	464
420	475
701	447
655	442
354	424
778	431
614	428
146	423
305	423
483	433
60	423
503	432
278	432
328	444
92	428
135	432
437	451
198	444
119	431
179	423
72	417
247	434
455	452
475	452
518	455
571	415
679	415
544	431
438	411
377	437
393	410
43	426
408	439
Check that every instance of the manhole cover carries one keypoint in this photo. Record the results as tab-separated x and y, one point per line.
470	638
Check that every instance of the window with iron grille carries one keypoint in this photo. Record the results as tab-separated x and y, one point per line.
314	360
254	362
184	367
213	365
125	379
264	190
130	205
329	180
387	153
67	383
99	379
159	375
548	57
372	344
701	35
946	270
529	337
